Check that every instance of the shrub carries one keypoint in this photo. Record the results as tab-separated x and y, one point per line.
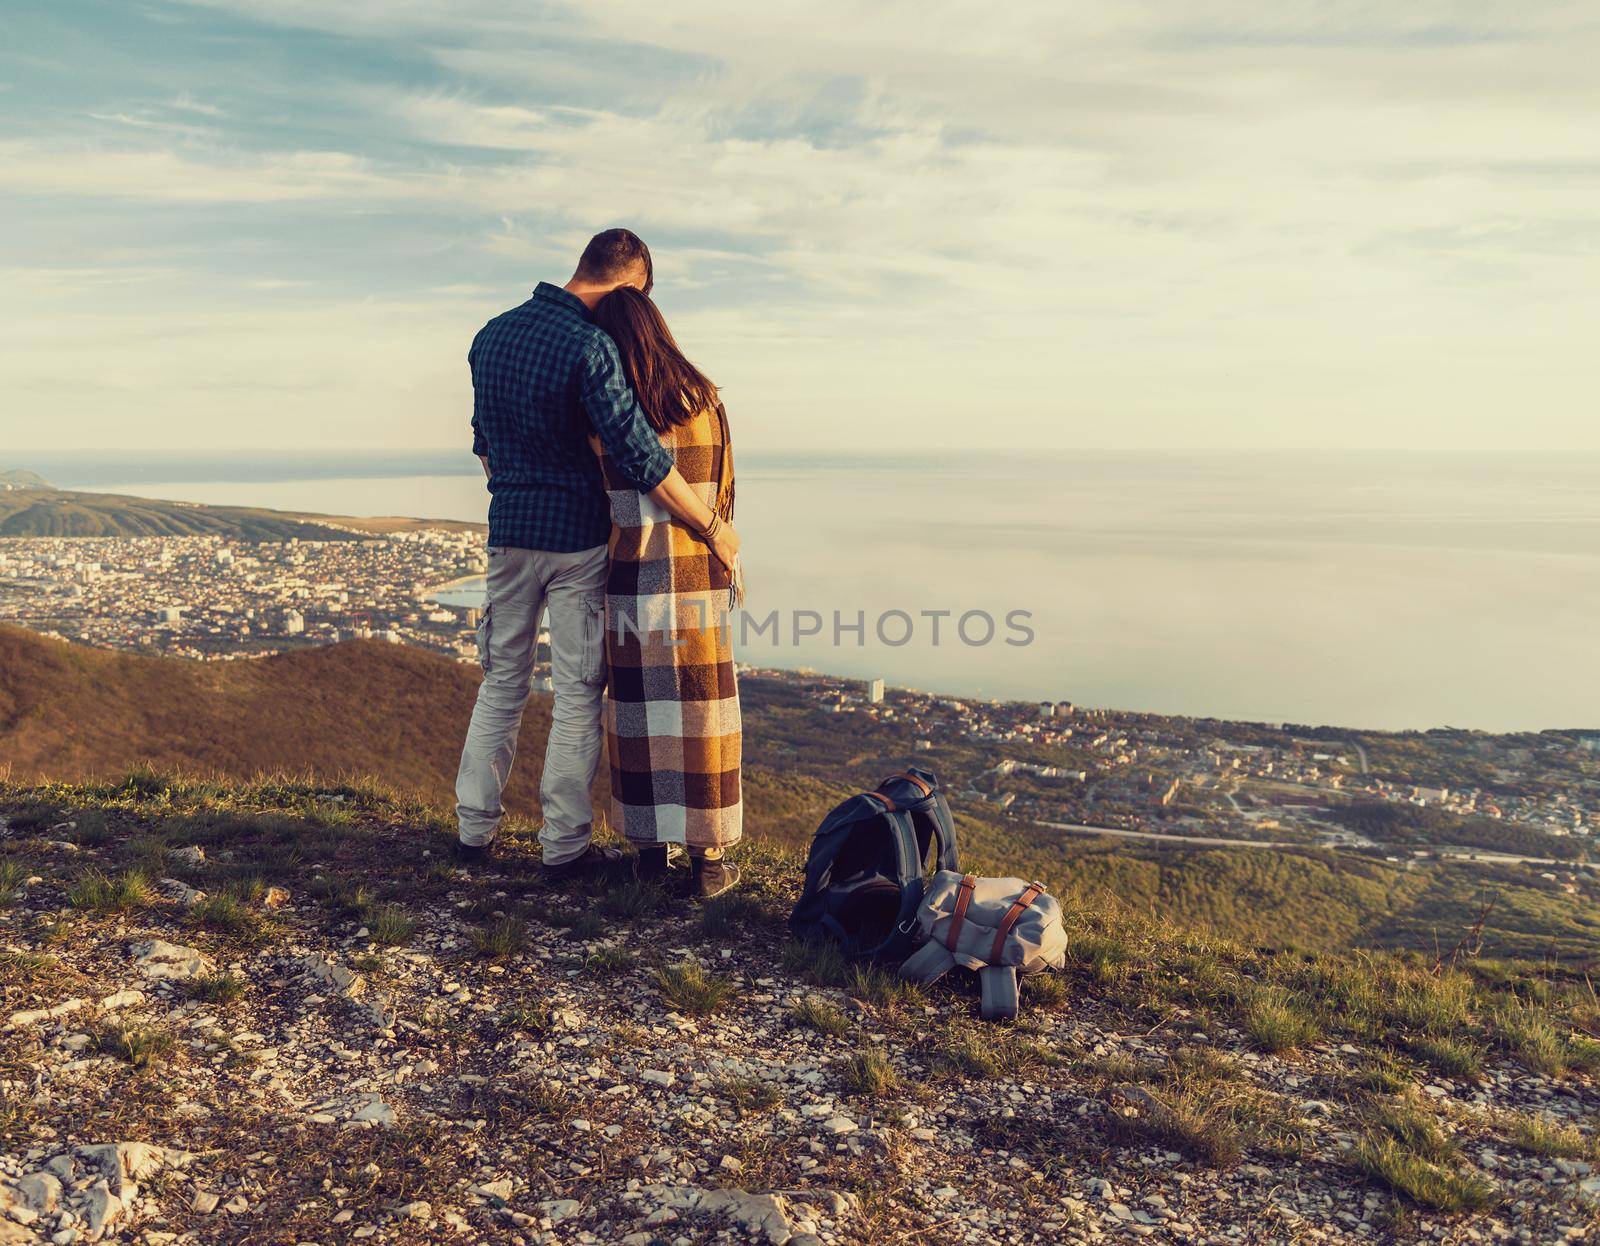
869	1072
1275	1024
101	893
390	925
500	938
820	1015
689	988
214	988
1391	1163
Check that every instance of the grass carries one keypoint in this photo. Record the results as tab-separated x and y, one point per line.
580	924
500	938
751	1094
689	987
1044	990
882	989
820	963
99	892
1453	1057
214	988
226	913
1391	1163
1275	1024
1540	1135
607	961
141	1046
535	1019
1407	1149
869	1073
1414	1129
816	1013
11	877
731	914
389	925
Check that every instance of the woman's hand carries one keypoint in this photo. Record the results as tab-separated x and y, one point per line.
725	545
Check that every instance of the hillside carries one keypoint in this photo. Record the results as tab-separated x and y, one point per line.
61	512
275	1013
19	478
397	715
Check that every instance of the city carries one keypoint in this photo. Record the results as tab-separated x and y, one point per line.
1406	797
218	598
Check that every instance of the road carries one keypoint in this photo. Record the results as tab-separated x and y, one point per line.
1202	841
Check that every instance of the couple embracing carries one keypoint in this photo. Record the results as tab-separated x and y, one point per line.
611	500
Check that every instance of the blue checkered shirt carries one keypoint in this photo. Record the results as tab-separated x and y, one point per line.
543	379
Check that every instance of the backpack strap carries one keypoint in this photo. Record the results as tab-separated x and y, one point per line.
963	898
1033	892
928	963
1000	998
916	781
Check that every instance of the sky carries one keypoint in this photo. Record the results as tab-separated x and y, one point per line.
878	224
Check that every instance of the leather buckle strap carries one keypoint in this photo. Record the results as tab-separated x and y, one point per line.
963	898
888	802
920	784
1033	892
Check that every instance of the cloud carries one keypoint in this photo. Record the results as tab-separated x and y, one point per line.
1230	224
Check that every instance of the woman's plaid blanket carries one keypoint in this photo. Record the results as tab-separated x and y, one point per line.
672	710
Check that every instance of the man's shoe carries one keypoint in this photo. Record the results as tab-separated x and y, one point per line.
714	877
591	859
473	854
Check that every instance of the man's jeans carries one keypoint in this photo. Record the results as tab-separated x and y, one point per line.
521	583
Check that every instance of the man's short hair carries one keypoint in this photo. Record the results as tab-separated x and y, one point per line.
614	254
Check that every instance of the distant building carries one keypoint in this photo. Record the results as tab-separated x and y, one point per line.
1431	795
294	623
874	691
1047	709
170	614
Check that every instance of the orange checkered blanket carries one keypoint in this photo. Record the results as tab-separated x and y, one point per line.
672	710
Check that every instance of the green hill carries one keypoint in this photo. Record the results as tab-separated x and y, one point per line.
395	714
19	478
43	511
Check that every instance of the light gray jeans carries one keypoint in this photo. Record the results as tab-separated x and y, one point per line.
522	582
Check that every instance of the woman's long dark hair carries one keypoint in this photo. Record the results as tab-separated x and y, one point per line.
670	389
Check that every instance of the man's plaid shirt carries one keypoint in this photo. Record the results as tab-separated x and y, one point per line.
543	379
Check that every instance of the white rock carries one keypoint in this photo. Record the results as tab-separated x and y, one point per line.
839	1125
101	1208
158	959
346	982
40	1191
122	999
36	1015
558	1209
419	1210
205	1202
194	854
500	1189
374	1110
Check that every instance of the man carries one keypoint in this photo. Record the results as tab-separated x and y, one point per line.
544	378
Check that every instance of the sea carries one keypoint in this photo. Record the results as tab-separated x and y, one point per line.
1388	590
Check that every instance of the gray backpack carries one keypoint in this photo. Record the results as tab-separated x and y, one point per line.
999	926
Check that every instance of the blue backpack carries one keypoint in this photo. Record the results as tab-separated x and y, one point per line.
868	860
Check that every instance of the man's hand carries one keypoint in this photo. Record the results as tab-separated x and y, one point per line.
725	545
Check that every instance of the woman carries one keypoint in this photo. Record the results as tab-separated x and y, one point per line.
672	704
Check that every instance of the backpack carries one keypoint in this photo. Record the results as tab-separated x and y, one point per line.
865	871
1001	927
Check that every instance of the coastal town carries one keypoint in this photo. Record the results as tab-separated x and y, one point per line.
1085	770
212	597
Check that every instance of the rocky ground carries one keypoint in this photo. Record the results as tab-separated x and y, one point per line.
282	1015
